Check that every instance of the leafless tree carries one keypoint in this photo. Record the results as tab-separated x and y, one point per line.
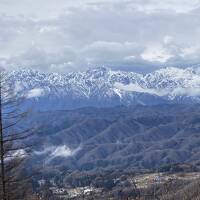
13	137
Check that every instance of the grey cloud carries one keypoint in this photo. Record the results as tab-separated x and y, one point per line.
119	34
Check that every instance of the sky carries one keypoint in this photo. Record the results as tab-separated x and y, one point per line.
74	35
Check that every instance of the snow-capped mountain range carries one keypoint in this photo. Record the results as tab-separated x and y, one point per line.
104	87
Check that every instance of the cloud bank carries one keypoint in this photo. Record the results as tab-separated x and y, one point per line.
173	92
34	93
58	151
74	35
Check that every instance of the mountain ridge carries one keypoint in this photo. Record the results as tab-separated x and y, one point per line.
105	87
143	137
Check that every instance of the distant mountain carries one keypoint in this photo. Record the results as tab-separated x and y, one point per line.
102	87
102	118
119	138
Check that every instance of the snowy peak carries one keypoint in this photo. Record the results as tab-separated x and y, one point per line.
106	87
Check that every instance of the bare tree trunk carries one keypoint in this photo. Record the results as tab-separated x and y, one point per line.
12	140
3	183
